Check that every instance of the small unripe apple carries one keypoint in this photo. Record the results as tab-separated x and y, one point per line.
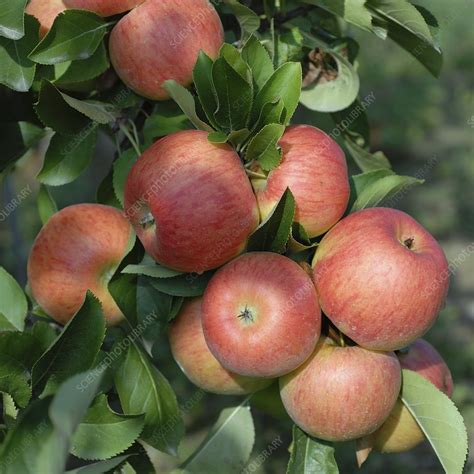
313	166
191	202
400	432
78	249
161	40
103	7
342	393
381	278
261	316
190	351
45	11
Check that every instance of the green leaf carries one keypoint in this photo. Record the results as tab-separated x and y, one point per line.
248	20
55	112
202	77
67	157
438	418
143	390
72	72
14	380
384	189
124	291
46	204
218	137
74	350
284	84
257	57
311	456
228	445
100	467
13	304
264	148
75	34
272	112
353	122
407	27
353	11
100	112
46	428
152	270
186	285
365	160
234	96
11	19
167	119
103	433
24	348
185	100
335	94
17	71
122	167
272	235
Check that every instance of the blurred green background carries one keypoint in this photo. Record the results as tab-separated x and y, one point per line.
425	126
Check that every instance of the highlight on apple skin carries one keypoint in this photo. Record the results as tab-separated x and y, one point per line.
191	353
342	393
160	40
45	11
314	167
78	249
381	278
261	316
103	7
400	432
190	202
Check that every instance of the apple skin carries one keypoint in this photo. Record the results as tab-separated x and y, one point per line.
283	320
313	166
200	198
103	7
372	286
400	432
342	393
190	351
161	40
45	11
79	248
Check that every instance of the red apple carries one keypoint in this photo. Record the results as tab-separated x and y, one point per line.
79	248
342	393
191	202
313	166
401	432
103	7
381	278
161	40
196	360
45	11
261	316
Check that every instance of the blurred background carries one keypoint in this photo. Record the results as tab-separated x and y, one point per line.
425	126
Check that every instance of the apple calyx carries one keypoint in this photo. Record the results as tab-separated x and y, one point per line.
408	243
147	220
246	315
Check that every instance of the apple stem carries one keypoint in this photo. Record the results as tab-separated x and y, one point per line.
131	139
342	342
253	174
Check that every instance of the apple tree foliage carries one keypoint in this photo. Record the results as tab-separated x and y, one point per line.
56	383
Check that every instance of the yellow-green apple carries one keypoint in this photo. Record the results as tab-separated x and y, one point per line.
342	393
381	278
191	202
103	7
78	249
261	316
160	40
400	432
313	166
190	351
45	11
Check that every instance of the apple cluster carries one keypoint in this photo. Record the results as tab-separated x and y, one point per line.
335	334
